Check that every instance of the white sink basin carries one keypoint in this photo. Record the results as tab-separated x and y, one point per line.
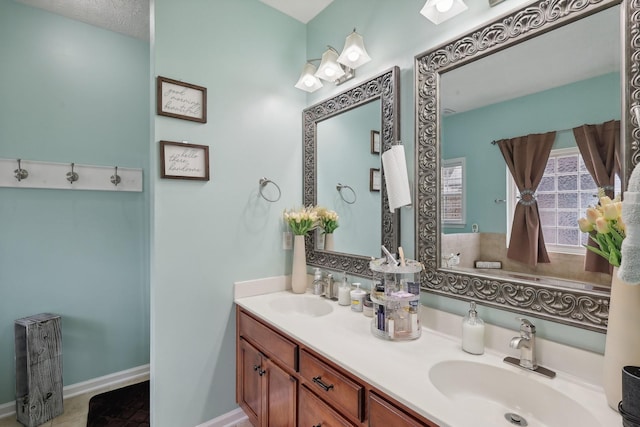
485	393
306	305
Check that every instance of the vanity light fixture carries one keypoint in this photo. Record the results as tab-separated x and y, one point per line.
335	67
438	11
308	81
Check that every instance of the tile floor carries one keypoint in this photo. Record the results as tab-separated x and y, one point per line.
77	407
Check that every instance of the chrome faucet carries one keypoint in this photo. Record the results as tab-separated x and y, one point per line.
330	288
526	343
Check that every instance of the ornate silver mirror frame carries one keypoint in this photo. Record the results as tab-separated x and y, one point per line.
583	308
384	87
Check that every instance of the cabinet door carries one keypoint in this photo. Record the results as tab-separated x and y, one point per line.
281	396
384	414
315	413
250	381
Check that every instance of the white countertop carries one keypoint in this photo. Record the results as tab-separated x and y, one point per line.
401	368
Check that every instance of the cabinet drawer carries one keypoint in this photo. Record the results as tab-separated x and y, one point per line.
272	343
314	412
333	386
383	413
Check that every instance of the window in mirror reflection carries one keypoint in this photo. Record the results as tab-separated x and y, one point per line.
453	192
566	190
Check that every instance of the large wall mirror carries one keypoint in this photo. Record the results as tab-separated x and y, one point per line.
344	138
549	67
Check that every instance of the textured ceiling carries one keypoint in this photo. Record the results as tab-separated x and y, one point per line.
130	17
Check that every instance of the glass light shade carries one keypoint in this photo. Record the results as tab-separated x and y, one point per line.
308	81
329	68
438	11
354	54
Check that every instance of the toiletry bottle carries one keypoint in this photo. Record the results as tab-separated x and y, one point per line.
357	298
473	332
318	284
344	298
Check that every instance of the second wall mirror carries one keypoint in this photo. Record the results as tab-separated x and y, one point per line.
581	60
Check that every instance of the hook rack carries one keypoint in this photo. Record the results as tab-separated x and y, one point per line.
263	183
51	175
341	187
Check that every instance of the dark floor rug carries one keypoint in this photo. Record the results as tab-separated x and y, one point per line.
124	407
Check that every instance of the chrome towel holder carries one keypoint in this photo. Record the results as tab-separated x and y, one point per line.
341	187
263	183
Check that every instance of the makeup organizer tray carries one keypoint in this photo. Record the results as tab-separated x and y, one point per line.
396	300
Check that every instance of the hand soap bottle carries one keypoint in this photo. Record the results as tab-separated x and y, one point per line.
473	332
344	297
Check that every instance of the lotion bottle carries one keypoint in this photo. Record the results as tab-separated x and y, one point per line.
344	297
357	298
473	332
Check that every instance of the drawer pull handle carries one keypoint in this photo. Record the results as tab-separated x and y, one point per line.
256	367
259	370
325	387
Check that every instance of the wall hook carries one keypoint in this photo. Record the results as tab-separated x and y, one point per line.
115	178
263	183
20	173
72	176
341	187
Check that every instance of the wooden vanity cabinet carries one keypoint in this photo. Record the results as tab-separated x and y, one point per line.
333	385
280	383
315	412
383	413
266	385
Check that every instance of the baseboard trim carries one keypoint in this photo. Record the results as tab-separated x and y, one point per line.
227	420
108	381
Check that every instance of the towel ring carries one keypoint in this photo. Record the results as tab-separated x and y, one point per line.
340	187
263	183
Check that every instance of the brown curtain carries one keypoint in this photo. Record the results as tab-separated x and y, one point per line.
599	147
526	157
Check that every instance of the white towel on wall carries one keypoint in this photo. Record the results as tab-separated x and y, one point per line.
396	177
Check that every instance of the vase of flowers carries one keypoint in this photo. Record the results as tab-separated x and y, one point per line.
328	222
301	222
605	224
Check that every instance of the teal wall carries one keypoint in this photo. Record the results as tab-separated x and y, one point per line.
85	254
344	156
469	134
208	235
74	93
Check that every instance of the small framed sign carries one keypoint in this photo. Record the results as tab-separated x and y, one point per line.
374	179
181	100
180	160
375	142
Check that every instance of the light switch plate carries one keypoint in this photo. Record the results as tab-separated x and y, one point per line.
287	240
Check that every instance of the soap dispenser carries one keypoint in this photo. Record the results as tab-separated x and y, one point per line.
357	298
317	282
473	332
344	296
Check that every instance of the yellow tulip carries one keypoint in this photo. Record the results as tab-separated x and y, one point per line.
585	225
602	226
593	214
618	207
610	211
605	200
